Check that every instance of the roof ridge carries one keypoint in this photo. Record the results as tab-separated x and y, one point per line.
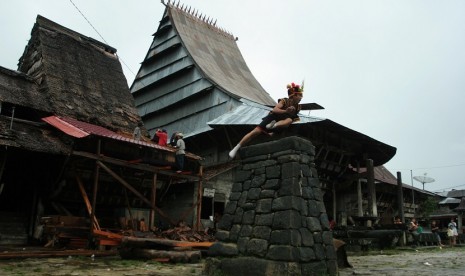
194	14
48	24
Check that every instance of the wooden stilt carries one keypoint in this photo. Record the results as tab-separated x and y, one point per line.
153	201
199	205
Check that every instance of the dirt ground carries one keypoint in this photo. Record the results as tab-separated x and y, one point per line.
422	261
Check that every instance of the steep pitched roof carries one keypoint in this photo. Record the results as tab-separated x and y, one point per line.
78	76
217	55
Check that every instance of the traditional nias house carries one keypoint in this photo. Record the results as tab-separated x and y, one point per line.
194	79
67	146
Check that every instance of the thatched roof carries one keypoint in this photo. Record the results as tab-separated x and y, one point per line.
78	77
31	136
20	89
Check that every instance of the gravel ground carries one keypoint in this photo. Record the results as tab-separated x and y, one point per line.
423	261
103	266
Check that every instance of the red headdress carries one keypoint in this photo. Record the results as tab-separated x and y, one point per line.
294	88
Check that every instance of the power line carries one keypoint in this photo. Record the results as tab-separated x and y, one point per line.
441	167
88	21
100	35
437	167
448	188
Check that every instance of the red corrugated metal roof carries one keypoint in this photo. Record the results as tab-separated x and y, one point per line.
80	129
65	127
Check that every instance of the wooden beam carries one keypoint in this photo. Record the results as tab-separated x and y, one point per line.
87	202
136	166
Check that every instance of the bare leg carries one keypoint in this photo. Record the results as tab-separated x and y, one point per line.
247	138
254	133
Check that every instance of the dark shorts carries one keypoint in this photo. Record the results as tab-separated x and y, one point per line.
276	117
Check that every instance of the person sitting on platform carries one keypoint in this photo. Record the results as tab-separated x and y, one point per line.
283	115
414	228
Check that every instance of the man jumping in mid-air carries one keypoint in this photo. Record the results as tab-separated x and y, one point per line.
283	114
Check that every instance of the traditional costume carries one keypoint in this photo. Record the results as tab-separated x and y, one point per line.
268	124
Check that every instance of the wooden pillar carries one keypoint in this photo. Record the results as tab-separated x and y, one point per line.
199	205
459	222
372	208
400	207
400	198
359	193
94	193
334	201
153	201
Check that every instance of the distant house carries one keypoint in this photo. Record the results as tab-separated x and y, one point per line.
67	120
194	79
387	201
451	206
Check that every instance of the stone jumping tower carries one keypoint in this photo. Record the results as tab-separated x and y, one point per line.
275	222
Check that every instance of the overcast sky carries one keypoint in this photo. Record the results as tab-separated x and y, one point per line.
393	70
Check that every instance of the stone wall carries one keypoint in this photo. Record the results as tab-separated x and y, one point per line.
275	220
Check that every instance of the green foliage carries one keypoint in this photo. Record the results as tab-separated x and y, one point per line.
428	206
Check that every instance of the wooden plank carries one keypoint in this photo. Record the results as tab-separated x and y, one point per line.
194	244
133	242
108	235
109	242
54	253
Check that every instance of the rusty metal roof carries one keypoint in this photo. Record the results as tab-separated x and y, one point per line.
80	129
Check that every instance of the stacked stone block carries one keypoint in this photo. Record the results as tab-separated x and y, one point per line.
275	219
